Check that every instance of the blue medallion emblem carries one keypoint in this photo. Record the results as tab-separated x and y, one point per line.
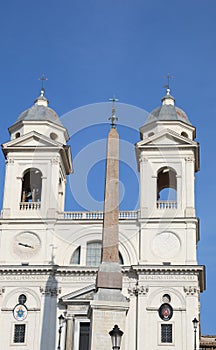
20	312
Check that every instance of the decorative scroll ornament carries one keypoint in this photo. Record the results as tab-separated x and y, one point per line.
138	290
191	290
189	159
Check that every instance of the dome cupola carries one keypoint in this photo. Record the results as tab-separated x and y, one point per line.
40	111
42	119
167	116
168	111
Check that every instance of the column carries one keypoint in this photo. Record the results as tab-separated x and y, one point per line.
69	332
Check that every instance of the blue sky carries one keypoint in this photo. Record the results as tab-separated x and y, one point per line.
93	49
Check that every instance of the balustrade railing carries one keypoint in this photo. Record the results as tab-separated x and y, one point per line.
128	214
81	215
96	215
166	205
30	205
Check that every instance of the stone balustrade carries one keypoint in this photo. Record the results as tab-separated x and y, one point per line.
166	205
30	205
96	215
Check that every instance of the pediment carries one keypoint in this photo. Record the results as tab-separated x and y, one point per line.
32	139
166	137
84	294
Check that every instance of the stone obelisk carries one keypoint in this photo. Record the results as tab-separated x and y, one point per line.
109	273
109	306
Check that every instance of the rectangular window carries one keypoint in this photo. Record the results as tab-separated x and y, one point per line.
19	333
166	333
84	335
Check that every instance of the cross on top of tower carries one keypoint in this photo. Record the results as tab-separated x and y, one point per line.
43	79
167	86
113	117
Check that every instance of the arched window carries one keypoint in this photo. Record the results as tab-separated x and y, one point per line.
75	259
121	261
22	299
184	134
166	188
31	185
93	254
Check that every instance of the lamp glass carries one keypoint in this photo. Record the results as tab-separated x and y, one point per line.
116	340
61	318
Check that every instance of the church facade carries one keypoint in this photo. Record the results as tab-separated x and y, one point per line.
49	258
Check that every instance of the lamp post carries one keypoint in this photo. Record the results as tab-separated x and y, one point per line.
61	320
195	325
116	335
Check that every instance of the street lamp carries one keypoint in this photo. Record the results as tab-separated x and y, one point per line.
195	325
61	320
116	335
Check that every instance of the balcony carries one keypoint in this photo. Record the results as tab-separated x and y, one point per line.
166	205
30	205
96	215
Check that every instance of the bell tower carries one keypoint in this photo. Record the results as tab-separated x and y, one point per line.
168	158
37	162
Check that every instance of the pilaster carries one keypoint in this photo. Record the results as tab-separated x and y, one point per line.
104	315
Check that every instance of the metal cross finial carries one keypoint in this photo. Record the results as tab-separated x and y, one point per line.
43	79
167	86
113	118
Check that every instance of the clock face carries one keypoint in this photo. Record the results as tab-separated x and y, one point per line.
166	245
26	244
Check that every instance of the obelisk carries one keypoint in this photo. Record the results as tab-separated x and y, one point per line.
109	306
109	274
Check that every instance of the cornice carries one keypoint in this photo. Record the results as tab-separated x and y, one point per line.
131	221
167	268
198	270
46	270
168	219
71	271
147	269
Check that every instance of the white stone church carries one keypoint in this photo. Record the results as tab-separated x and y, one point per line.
159	281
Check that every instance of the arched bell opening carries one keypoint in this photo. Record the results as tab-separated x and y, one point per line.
31	185
166	188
